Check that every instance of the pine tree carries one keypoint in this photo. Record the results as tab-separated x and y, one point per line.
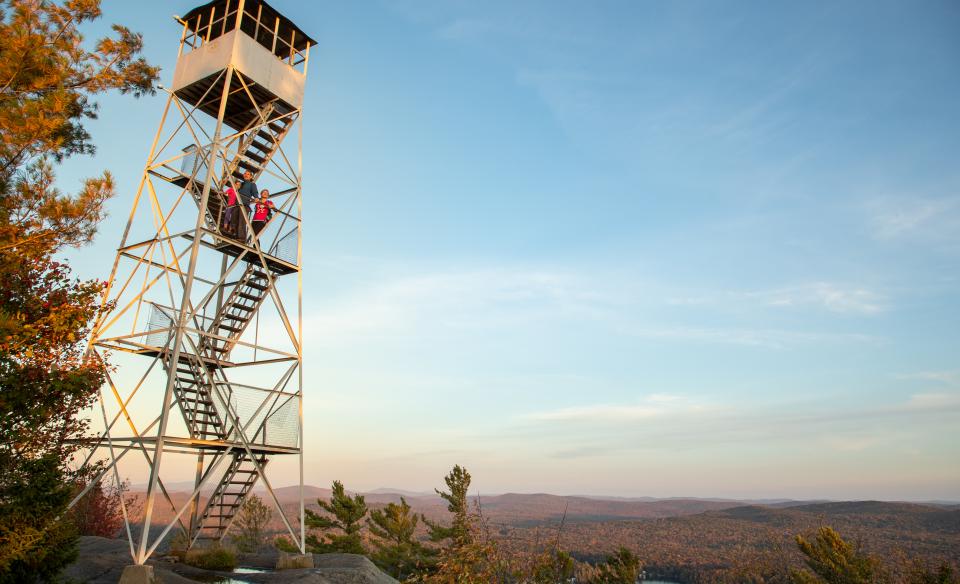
396	549
48	76
834	561
470	555
458	481
347	513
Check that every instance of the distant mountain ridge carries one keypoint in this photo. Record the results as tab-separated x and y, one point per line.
529	508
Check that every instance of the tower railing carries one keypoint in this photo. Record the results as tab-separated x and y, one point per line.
257	20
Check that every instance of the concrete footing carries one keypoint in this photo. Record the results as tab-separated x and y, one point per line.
138	574
288	561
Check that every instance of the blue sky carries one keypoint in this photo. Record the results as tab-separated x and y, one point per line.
618	248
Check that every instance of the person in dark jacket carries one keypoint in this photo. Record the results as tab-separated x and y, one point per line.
248	189
248	194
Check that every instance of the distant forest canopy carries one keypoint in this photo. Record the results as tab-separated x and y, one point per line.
692	540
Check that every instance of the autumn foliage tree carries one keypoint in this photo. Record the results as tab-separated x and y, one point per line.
100	511
621	567
49	77
249	528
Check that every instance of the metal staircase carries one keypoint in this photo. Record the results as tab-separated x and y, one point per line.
202	406
259	142
193	392
204	399
228	497
236	312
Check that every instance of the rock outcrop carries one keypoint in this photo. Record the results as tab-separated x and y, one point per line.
102	561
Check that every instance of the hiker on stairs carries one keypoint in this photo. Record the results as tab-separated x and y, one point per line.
230	217
262	211
248	194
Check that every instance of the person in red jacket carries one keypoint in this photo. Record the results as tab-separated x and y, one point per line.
262	210
229	217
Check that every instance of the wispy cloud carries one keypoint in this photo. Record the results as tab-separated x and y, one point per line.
933	402
481	298
421	304
600	412
828	295
951	377
934	220
770	338
647	407
585	429
836	297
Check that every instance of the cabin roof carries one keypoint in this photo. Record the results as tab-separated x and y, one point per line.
200	17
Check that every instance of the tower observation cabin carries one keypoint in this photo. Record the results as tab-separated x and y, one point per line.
204	327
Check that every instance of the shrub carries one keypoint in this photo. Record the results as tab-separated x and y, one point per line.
215	558
284	544
178	545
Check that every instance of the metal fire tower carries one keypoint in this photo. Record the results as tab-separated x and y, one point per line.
204	320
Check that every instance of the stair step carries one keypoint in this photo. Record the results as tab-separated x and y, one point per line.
256	286
204	402
260	146
229	328
267	136
202	398
255	157
249	296
241	306
249	166
208	411
204	417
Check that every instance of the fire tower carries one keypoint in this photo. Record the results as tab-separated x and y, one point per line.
204	319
